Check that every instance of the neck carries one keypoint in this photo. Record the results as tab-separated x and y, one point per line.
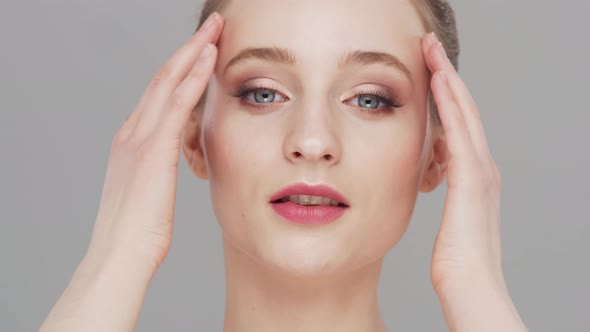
259	298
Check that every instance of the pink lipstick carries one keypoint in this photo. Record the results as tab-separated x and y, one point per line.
305	204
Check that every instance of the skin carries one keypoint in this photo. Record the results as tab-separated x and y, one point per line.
283	276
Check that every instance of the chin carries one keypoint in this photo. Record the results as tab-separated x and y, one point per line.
306	256
319	265
309	255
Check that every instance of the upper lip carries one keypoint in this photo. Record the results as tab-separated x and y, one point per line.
311	190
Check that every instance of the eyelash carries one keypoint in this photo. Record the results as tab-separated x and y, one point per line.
390	103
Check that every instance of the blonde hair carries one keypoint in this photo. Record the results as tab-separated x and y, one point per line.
436	15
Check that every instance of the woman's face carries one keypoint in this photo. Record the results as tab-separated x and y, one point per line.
315	126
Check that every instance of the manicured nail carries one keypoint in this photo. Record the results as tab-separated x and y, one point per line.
206	52
210	22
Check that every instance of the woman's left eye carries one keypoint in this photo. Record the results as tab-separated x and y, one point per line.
374	103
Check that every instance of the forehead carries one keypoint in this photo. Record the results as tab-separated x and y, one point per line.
322	30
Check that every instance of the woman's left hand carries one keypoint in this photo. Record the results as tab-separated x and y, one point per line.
466	268
468	244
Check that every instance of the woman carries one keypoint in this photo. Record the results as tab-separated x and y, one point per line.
316	133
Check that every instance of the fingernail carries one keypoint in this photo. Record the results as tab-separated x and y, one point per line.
210	22
206	52
433	38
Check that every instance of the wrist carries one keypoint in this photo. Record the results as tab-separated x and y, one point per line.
113	280
114	263
480	305
115	253
106	293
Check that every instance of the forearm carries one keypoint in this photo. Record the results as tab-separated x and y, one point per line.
104	294
480	307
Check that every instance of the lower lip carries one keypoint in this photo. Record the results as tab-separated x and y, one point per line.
321	214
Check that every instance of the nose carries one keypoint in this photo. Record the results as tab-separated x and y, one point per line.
312	137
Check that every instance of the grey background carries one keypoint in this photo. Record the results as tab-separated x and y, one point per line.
70	71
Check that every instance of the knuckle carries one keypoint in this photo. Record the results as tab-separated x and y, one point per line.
119	139
120	146
133	141
176	101
157	81
492	182
197	72
162	75
126	124
122	138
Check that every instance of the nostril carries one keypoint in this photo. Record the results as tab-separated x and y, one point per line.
298	155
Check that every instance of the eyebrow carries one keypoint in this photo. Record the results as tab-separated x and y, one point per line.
285	56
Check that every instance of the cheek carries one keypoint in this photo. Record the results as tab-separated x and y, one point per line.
225	167
391	169
401	168
232	160
391	156
232	145
238	159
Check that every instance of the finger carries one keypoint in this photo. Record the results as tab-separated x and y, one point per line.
427	41
438	60
180	56
173	72
458	138
188	93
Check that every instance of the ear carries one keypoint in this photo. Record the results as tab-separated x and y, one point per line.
192	146
436	167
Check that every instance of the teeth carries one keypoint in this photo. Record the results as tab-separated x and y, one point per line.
311	200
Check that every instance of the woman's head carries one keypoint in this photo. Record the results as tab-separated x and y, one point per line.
341	100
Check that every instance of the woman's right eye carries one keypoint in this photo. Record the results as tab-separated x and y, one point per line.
261	96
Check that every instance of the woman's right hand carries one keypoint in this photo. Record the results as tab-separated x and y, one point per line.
136	210
133	229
